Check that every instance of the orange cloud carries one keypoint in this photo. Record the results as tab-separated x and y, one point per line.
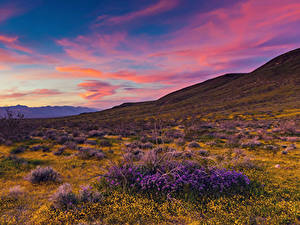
80	72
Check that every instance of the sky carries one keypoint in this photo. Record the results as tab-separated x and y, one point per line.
101	53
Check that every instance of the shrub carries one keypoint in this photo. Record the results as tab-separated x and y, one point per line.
186	178
180	142
151	159
71	145
43	174
79	140
86	194
46	148
16	192
251	143
62	139
203	152
96	133
105	143
36	148
64	198
91	142
193	144
18	149
147	145
60	151
87	153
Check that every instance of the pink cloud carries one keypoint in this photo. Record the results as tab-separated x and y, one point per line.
36	93
7	39
165	77
8	11
158	7
214	40
95	90
12	42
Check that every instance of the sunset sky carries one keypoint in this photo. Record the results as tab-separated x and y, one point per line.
100	53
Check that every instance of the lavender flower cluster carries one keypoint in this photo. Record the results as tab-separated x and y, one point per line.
176	178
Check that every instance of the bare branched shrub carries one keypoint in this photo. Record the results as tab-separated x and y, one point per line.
11	125
87	194
43	174
16	192
64	198
152	159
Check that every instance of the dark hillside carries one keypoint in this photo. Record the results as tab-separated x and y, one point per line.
273	86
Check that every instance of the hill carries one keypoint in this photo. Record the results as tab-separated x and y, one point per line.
46	111
273	86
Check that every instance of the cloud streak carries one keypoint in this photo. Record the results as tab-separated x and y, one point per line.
37	93
159	7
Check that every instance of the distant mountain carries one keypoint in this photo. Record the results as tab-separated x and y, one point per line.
46	111
273	86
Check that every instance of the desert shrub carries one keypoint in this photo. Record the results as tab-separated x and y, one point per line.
71	145
147	145
36	148
245	163
105	143
64	198
180	142
87	153
203	152
79	140
2	140
46	148
233	141
16	192
96	133
253	143
272	148
91	142
193	144
173	134
12	126
133	155
289	127
18	149
62	139
151	159
99	155
60	150
43	174
174	178
284	152
87	194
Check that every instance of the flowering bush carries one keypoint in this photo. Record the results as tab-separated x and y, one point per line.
176	178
